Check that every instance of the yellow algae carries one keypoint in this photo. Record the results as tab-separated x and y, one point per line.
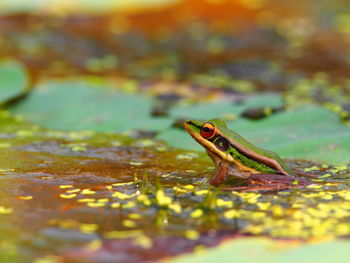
122	234
176	207
277	210
129	223
325	175
129	204
199	249
109	187
91	204
76	147
263	206
86	200
116	143
68	224
28	197
65	186
341	167
94	245
254	229
327	197
103	200
188	187
229	214
5	210
48	259
298	205
24	133
68	196
201	192
122	196
136	163
144	200
250	198
47	177
122	184
73	191
161	149
87	192
312	168
146	142
162	198
342	229
187	156
7	170
310	195
79	135
257	215
192	234
344	194
134	216
196	213
143	241
179	190
88	228
222	203
295	182
115	205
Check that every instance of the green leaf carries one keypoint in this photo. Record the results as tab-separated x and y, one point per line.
13	80
180	139
312	133
225	109
264	250
83	106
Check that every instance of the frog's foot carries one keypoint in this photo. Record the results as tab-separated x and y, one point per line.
277	180
304	174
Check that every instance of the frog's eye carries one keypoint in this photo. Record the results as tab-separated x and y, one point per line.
208	130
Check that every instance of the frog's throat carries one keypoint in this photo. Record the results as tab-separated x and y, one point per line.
209	146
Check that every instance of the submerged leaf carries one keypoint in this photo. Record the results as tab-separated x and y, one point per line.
13	80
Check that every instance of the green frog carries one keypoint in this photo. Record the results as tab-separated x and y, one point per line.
234	155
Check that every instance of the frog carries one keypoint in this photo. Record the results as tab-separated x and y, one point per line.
233	155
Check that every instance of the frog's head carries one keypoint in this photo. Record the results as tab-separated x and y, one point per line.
208	134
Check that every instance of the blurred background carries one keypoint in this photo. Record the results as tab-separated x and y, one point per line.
243	45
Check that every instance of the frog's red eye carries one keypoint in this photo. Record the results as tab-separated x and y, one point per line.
207	130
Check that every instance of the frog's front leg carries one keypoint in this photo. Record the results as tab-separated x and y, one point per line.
221	174
224	170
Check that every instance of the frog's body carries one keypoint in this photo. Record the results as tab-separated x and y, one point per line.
231	153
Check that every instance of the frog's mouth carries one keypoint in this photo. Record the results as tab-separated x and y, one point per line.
188	125
194	130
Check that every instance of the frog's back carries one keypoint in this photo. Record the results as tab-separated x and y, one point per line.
234	137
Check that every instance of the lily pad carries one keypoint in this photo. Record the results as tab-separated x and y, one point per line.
13	80
226	109
260	250
84	106
310	132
